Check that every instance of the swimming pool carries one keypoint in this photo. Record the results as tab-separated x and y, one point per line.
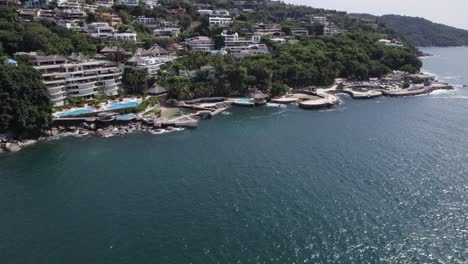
125	117
76	112
122	105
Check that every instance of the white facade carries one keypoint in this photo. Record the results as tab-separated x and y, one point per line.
166	32
300	32
129	2
320	19
200	43
205	12
106	3
147	21
220	21
104	31
233	39
77	79
332	30
220	13
247	50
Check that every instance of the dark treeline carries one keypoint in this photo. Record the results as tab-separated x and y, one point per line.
25	106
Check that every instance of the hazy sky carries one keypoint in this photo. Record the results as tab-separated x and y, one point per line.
450	12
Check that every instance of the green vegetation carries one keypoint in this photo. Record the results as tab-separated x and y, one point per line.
311	62
152	112
135	81
43	36
25	106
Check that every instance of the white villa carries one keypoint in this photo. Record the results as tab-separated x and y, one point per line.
200	43
220	21
103	30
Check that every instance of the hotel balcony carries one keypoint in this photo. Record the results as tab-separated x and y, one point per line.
83	90
53	81
56	92
112	91
83	94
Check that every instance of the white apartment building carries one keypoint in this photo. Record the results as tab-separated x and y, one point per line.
147	21
205	12
320	19
241	52
233	39
104	31
299	32
76	77
167	32
220	13
200	43
106	3
333	30
220	21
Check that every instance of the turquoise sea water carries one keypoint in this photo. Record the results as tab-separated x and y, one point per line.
376	181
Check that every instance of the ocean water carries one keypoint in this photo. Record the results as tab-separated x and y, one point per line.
376	181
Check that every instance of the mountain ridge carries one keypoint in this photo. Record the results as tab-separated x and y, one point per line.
420	31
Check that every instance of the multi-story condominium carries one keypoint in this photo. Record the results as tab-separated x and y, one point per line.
205	12
242	47
129	2
112	19
142	62
299	32
220	13
200	43
71	13
220	21
167	24
106	3
166	32
147	21
104	31
247	50
70	24
333	30
76	77
151	59
233	39
320	19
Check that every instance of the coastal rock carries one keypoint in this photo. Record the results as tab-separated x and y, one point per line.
100	132
47	133
12	147
61	128
92	126
71	128
28	142
54	132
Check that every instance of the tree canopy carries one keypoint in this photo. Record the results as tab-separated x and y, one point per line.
25	106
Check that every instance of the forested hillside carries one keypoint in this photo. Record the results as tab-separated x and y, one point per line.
422	32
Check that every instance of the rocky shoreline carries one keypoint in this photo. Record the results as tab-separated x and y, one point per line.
9	144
